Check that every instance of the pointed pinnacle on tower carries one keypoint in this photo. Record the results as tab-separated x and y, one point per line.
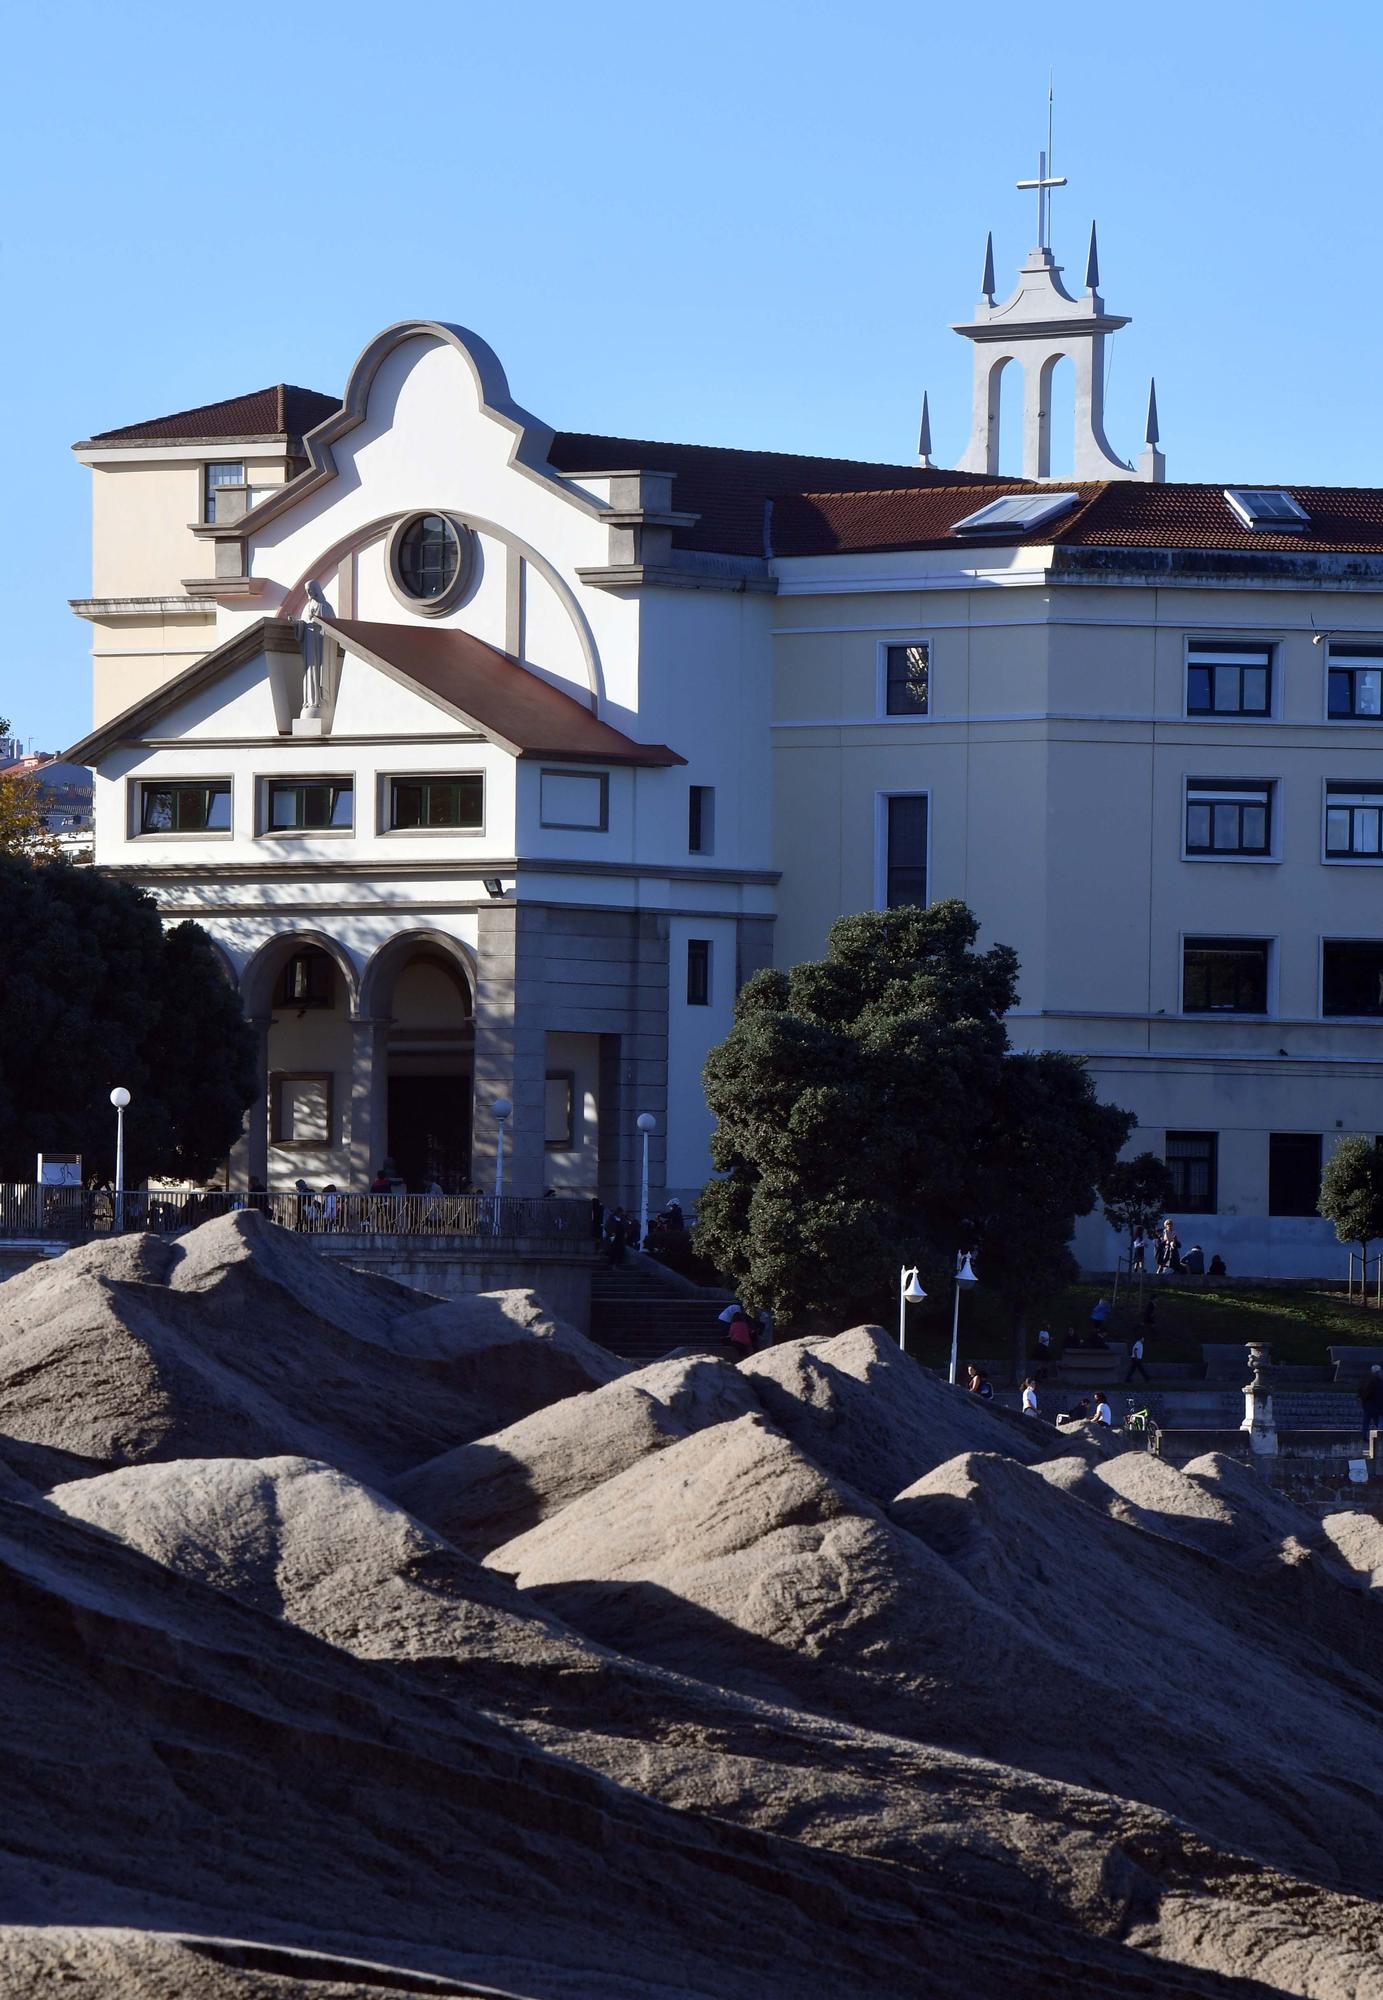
987	281
1092	264
1151	434
924	435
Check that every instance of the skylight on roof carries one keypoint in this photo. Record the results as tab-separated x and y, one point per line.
1016	513
1267	510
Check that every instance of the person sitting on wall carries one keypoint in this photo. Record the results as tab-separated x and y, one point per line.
1216	1267
1194	1261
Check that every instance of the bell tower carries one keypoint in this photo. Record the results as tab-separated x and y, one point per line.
1032	330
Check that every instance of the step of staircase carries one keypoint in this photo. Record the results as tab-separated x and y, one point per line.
637	1318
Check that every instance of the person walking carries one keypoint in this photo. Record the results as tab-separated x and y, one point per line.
1029	1396
1371	1401
1139	1252
1135	1360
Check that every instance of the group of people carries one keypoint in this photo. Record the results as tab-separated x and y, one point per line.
745	1335
1168	1260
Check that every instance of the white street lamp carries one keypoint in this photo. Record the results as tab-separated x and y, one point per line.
910	1293
501	1108
964	1276
120	1097
647	1125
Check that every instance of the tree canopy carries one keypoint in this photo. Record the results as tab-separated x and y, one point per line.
870	1113
1136	1193
95	993
23	818
1352	1192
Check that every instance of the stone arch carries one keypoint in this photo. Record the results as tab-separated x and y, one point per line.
385	964
261	970
361	538
1056	398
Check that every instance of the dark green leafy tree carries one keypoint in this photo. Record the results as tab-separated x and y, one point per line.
94	992
869	1113
1352	1192
1136	1193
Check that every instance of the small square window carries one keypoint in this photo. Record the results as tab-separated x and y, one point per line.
1225	975
308	980
302	1110
907	678
698	972
1225	679
1225	819
1355	684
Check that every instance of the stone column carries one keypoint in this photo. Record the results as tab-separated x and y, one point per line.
510	1044
1258	1404
367	1134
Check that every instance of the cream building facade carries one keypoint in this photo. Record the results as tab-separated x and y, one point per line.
494	758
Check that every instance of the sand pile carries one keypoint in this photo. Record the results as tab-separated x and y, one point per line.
487	1492
816	1677
240	1341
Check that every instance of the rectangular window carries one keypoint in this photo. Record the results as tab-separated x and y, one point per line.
907	678
1191	1162
576	799
1225	975
1355	682
1294	1172
1354	821
558	1095
905	854
1227	678
227	473
701	819
1224	818
1352	977
449	802
698	972
301	806
185	807
301	1110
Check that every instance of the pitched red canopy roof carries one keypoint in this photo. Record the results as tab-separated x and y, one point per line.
280	411
525	714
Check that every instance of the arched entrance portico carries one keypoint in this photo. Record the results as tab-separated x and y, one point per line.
419	992
300	989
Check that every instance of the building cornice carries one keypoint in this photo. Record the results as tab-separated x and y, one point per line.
455	870
107	608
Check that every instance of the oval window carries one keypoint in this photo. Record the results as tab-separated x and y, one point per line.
429	557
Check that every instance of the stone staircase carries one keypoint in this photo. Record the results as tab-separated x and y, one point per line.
640	1317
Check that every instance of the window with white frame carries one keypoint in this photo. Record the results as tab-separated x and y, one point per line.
1227	678
903	861
1225	818
1355	681
1354	822
906	677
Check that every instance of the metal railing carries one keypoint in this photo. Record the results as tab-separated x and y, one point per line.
74	1214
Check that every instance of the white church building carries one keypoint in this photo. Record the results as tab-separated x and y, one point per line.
495	757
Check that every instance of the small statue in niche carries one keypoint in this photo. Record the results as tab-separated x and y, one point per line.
315	608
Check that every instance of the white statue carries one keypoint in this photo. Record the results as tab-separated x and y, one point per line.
313	644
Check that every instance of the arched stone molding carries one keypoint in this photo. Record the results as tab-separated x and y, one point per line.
1039	419
383	967
257	980
360	539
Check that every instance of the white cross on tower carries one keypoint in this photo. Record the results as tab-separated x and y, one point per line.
1043	183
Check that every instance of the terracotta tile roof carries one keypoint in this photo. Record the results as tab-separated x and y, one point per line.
279	411
1111	514
729	489
507	703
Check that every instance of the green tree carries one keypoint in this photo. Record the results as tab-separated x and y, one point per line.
1352	1192
1136	1193
94	992
869	1113
23	819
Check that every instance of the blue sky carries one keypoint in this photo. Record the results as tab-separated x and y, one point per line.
742	224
